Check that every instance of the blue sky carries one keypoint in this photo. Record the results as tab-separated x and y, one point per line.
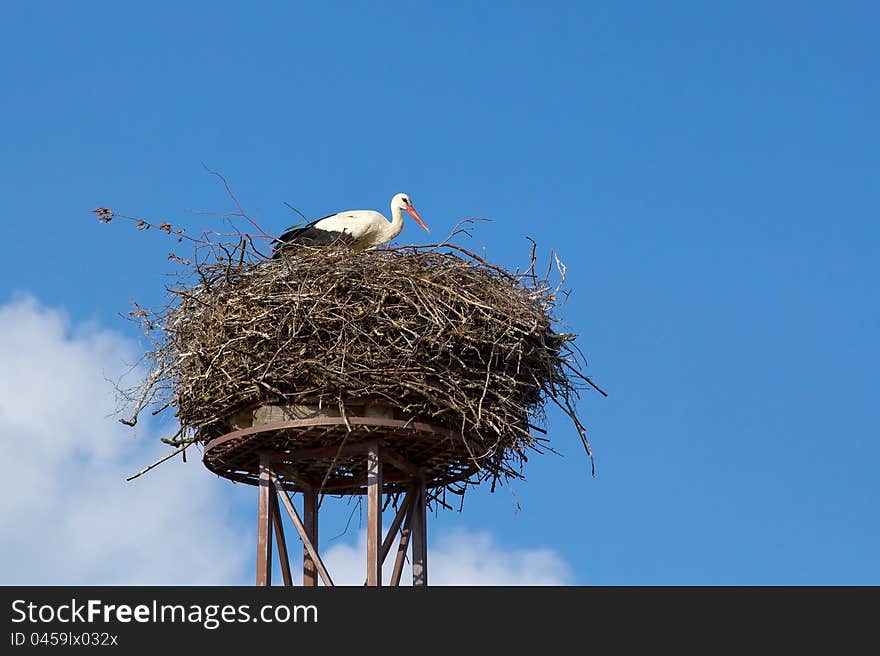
707	171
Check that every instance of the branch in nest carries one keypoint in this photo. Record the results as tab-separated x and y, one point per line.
154	377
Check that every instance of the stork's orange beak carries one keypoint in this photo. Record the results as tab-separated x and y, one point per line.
412	212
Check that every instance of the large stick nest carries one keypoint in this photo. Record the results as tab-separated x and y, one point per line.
438	333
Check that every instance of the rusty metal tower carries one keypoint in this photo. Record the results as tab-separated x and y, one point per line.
312	452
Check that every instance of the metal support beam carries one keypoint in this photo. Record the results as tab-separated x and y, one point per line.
283	557
310	524
264	534
419	537
402	547
298	524
374	515
402	512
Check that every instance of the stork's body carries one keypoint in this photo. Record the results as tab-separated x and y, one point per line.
357	229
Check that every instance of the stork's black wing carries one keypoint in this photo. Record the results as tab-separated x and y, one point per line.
310	235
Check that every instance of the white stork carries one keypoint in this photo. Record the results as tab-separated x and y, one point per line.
357	229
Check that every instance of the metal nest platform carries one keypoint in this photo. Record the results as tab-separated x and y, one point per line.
327	453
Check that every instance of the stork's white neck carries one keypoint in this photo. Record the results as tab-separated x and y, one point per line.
395	225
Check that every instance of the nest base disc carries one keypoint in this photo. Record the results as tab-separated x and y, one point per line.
326	453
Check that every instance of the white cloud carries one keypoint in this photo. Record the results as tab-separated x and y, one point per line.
69	517
460	558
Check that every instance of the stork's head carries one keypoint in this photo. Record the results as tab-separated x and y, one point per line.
402	202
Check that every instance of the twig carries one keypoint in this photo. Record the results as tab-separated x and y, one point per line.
158	462
238	206
148	386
